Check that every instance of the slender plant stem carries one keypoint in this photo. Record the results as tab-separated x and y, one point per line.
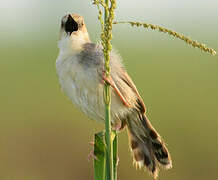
106	36
107	91
107	169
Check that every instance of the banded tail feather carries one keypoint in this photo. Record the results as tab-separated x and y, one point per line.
147	147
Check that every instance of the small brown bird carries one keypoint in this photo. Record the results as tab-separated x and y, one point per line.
80	67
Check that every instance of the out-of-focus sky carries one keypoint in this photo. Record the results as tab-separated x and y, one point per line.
43	136
37	16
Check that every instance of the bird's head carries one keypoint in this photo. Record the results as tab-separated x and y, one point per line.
73	34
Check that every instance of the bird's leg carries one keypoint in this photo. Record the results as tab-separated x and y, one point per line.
110	81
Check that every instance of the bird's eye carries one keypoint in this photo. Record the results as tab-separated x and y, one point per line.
71	25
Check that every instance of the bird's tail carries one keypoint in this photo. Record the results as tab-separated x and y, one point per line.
147	147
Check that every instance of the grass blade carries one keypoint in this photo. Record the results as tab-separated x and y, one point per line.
99	152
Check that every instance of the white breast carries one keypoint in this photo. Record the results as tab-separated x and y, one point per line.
82	87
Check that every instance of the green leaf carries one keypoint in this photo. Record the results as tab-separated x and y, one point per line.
99	152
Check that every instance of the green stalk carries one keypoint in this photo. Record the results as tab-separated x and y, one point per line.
107	91
109	145
110	136
105	147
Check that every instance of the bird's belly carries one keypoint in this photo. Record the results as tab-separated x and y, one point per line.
85	90
85	93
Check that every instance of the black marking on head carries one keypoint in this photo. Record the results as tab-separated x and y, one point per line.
70	25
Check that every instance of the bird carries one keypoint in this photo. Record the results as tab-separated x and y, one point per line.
81	74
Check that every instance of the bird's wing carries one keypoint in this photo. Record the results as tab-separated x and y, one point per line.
140	104
123	96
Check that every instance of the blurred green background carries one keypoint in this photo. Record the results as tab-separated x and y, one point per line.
43	136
